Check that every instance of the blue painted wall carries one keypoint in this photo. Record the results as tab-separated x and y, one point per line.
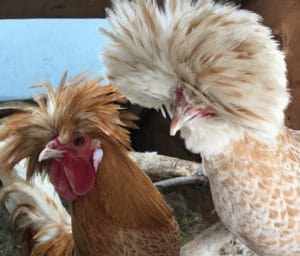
42	49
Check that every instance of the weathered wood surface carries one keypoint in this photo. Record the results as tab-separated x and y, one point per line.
215	241
209	242
56	8
283	18
165	167
53	8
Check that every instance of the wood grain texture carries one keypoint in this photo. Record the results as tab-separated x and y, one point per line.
57	8
283	18
53	8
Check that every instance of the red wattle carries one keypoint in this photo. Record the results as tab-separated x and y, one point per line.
72	176
59	180
80	174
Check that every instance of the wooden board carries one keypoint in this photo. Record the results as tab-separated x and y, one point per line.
53	8
57	8
283	18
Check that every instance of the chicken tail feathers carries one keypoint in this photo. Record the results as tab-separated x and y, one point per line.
38	219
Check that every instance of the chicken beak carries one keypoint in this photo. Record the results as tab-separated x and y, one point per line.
49	153
176	124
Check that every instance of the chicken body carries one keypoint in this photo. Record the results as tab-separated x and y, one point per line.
122	225
77	136
221	77
255	190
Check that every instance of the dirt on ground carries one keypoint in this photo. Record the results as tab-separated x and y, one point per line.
7	243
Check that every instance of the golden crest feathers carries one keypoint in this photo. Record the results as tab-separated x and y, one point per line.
78	105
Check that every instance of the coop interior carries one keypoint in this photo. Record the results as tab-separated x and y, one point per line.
192	203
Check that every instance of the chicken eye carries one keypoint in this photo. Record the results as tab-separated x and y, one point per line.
78	141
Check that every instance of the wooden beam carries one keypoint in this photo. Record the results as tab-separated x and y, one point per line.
165	167
11	9
283	18
209	242
53	8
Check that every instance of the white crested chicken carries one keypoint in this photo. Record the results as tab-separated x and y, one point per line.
218	73
76	134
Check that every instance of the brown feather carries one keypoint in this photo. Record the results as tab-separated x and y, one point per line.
124	201
76	106
123	214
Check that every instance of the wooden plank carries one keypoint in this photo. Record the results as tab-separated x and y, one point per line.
53	8
57	8
283	18
215	241
209	242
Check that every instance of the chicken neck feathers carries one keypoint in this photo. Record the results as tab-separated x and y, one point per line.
123	214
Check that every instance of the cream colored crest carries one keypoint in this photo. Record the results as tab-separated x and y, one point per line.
222	56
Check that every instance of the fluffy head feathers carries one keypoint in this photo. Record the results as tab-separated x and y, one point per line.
222	56
75	106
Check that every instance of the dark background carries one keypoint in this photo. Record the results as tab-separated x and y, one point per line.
55	8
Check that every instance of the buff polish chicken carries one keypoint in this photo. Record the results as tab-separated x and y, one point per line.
76	134
221	77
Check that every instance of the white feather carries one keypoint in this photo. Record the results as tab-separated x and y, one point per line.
222	53
37	193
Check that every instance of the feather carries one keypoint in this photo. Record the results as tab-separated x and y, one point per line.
193	56
77	103
120	213
35	208
215	51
